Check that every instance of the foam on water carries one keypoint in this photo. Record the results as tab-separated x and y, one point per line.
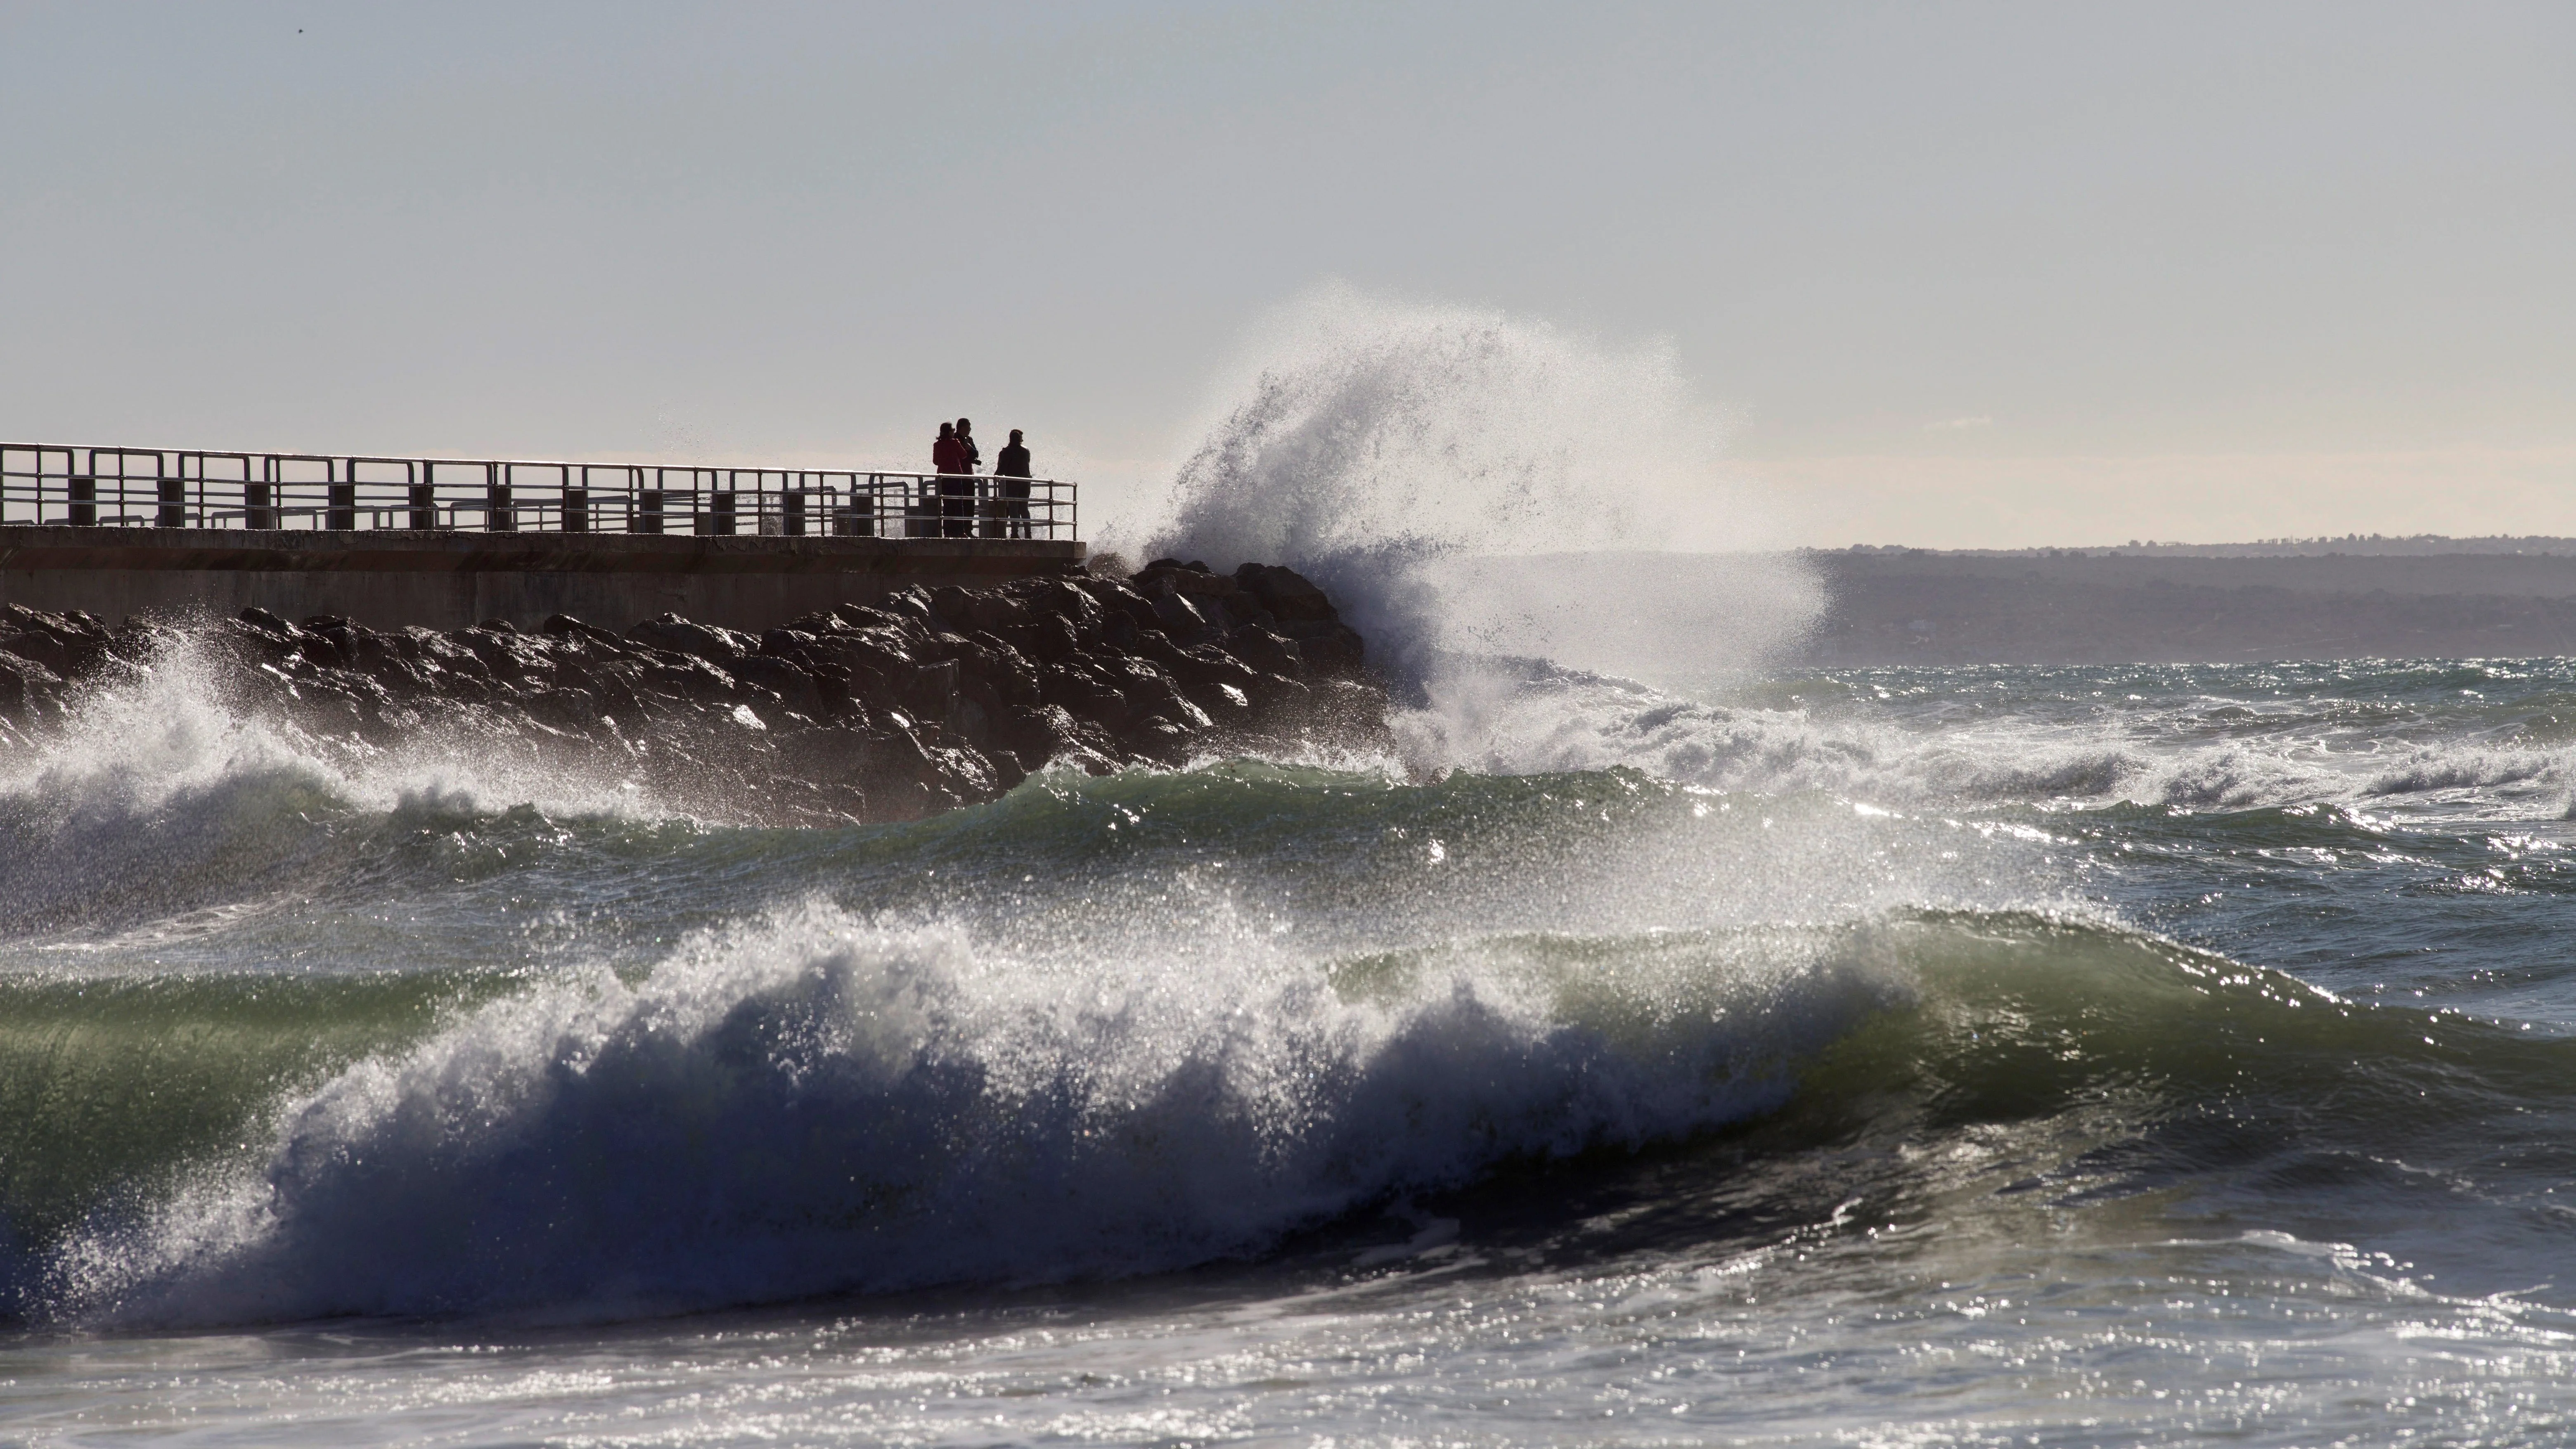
159	793
813	1102
1486	493
1103	1028
1501	716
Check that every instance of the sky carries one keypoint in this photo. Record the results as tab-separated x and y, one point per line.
1950	275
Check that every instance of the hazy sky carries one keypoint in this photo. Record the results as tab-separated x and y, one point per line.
1955	274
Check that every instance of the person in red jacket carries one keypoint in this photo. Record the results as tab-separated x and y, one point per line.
956	488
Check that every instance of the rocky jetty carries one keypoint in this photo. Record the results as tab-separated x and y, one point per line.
927	699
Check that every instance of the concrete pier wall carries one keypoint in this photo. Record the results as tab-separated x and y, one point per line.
389	578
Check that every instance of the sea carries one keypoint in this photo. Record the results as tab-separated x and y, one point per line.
1649	1039
1971	1055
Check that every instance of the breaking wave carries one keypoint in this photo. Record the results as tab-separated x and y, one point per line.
813	1103
1526	716
1387	449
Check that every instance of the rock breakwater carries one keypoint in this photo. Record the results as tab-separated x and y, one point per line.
928	699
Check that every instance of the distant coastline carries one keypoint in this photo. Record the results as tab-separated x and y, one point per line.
2358	545
2348	598
1655	614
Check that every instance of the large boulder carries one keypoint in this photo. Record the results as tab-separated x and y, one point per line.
1285	593
1264	651
1326	644
713	643
1182	620
794	687
26	687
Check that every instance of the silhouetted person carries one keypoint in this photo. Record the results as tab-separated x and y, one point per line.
980	510
954	465
1011	465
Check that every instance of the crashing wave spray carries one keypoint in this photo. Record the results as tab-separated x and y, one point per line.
1481	492
1403	454
1412	457
814	1103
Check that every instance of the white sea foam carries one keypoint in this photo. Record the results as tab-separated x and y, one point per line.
1386	447
1489	495
1525	717
813	1102
159	794
142	741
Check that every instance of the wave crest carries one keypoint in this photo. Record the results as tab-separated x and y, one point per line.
818	1104
1381	447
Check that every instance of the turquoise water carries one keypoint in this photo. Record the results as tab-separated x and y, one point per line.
1938	1056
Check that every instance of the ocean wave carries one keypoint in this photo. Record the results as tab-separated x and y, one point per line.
1384	448
816	1104
160	795
1511	716
2469	768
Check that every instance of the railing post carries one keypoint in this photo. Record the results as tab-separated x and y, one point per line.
858	517
64	486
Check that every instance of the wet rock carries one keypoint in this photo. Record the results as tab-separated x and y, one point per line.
1047	639
27	688
1182	619
1288	595
1114	597
1326	644
793	687
921	701
1039	734
565	626
713	643
1264	651
268	623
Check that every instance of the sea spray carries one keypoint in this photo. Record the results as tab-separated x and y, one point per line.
1706	1082
1475	487
921	701
813	1103
1404	454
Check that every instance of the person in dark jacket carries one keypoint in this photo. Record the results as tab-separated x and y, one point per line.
949	459
980	508
1011	465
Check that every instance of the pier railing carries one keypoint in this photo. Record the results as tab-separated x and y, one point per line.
167	488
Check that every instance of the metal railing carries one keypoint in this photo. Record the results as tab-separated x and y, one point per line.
168	488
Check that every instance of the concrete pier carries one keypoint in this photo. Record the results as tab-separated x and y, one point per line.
387	578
